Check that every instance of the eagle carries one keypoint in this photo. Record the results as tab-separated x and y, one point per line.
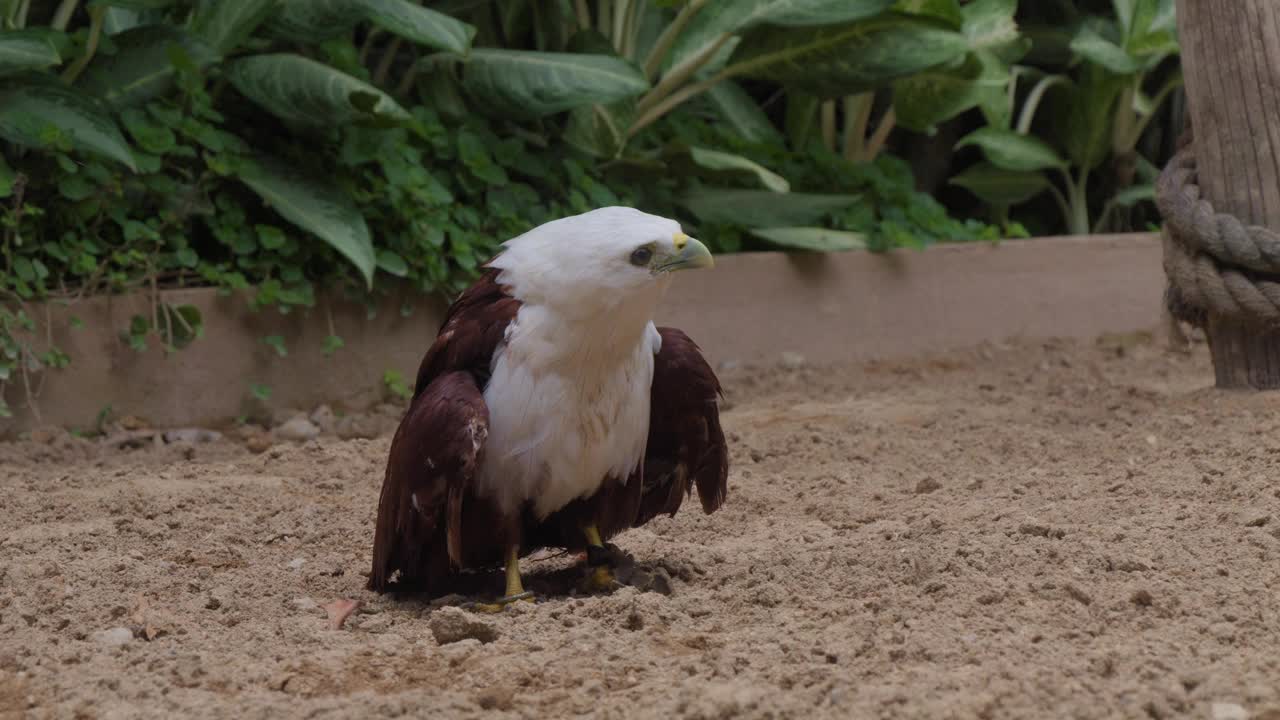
550	411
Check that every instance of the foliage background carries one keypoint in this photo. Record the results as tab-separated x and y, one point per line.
280	146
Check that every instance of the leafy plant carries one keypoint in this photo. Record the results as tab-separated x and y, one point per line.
1100	111
299	152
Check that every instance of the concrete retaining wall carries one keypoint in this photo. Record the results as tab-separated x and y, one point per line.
749	309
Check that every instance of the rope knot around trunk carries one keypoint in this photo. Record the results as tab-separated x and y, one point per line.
1215	264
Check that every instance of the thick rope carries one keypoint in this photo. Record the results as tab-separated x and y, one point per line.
1215	264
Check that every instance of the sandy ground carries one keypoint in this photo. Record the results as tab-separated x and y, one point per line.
1043	530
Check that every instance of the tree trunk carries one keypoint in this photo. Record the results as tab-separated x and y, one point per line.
1231	62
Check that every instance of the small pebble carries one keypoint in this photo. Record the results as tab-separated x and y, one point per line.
1229	711
297	429
114	637
792	360
451	625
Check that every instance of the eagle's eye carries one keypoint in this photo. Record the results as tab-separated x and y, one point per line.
641	256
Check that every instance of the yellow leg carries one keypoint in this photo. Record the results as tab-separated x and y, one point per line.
599	577
515	588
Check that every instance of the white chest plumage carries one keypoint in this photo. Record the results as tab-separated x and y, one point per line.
564	418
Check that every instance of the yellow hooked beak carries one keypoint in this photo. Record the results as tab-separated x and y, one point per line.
690	254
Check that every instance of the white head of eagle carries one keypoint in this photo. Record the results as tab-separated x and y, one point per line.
585	266
550	400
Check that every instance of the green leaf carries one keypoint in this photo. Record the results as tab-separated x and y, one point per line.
27	112
311	20
323	210
1095	48
276	342
999	187
1011	150
1083	115
948	11
1134	194
843	59
143	68
392	263
118	20
762	208
420	25
133	4
722	17
21	51
260	391
742	113
717	160
989	25
600	130
812	238
302	90
530	84
224	24
7	177
331	344
933	96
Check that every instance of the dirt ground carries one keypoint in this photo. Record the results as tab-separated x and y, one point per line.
1037	530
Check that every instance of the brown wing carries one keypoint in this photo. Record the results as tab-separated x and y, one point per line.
686	446
473	327
432	461
439	442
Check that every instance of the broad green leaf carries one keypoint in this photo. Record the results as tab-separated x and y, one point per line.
320	209
1095	48
25	51
1083	115
762	208
801	118
600	130
722	17
420	25
999	187
309	20
27	113
843	59
224	24
7	176
1142	17
531	84
1152	48
1134	194
439	86
989	25
1010	150
118	20
302	90
143	68
717	160
947	11
742	113
933	96
133	4
392	263
812	238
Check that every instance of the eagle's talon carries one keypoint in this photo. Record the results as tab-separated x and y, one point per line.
501	603
600	579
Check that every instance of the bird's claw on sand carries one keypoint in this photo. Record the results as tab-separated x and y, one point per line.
501	603
600	579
